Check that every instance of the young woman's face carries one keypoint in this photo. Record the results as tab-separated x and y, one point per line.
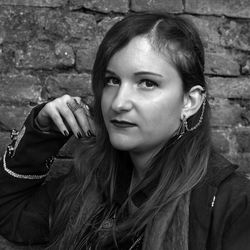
142	99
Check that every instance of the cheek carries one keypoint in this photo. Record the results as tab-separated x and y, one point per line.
106	102
164	114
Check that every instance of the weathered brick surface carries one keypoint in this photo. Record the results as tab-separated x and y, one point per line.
235	34
72	84
243	140
221	64
42	56
85	56
229	87
208	28
12	117
226	113
17	24
219	7
241	160
19	88
174	6
220	139
246	67
102	5
39	3
5	140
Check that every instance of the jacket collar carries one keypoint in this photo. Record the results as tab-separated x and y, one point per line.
218	169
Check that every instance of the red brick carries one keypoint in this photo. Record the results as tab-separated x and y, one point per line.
5	141
39	3
229	87
85	56
220	139
172	6
235	34
80	25
232	8
226	113
102	5
221	64
3	66
72	84
243	140
208	29
246	67
42	56
17	24
12	117
71	27
242	160
19	88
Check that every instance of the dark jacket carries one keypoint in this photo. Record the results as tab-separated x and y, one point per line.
219	206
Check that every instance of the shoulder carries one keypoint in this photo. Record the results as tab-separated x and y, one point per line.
233	194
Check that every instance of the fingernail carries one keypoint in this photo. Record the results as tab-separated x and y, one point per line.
89	133
79	135
65	133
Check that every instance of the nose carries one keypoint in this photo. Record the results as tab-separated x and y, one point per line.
122	101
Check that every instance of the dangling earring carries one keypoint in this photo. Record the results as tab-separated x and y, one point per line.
200	119
181	130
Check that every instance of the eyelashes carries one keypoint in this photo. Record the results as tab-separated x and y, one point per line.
111	81
142	83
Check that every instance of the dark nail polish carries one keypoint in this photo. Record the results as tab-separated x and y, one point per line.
65	133
79	135
89	133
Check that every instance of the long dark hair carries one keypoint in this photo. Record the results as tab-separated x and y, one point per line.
178	168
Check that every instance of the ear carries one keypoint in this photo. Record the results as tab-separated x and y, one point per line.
192	101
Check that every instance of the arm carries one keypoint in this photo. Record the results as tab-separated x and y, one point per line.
24	199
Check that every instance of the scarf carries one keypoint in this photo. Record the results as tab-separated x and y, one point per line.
169	228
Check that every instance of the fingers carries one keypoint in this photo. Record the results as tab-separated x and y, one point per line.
68	114
83	116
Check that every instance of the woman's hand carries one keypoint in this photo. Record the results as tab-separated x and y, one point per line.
66	114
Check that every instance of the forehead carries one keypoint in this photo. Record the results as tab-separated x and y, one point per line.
140	54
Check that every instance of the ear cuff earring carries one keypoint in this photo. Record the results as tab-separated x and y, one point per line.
184	120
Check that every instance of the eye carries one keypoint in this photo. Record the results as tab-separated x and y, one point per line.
148	84
111	81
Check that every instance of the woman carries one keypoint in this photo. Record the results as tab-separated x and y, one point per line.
149	178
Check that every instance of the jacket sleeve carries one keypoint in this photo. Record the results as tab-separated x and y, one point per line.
25	197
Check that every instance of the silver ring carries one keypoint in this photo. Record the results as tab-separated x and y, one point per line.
74	106
85	108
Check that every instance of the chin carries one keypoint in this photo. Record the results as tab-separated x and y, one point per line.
123	145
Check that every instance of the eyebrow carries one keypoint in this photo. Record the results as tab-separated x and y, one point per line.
147	73
137	73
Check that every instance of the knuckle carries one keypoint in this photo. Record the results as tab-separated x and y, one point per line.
66	97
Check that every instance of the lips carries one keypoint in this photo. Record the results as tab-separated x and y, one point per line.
122	123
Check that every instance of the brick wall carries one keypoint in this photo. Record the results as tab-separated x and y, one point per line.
47	49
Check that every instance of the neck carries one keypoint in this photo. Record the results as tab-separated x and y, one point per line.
141	161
